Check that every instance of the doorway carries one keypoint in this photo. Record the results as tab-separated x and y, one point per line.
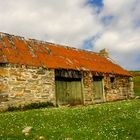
98	89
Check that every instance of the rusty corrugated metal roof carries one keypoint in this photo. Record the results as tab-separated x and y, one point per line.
18	50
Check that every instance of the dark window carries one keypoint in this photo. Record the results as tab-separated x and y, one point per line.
67	79
112	79
68	74
97	78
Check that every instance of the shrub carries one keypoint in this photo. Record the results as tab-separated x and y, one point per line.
36	105
12	108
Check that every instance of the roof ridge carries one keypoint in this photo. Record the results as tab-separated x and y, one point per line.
50	43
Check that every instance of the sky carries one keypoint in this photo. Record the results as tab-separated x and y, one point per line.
86	24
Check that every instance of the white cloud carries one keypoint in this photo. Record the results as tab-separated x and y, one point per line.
121	36
65	21
71	22
119	41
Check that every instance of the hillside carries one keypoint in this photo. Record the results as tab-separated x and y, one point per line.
136	75
137	85
109	121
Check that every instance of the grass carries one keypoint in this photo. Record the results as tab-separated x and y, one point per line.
137	85
108	121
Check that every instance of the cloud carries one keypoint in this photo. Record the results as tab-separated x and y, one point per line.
119	41
121	32
68	22
88	24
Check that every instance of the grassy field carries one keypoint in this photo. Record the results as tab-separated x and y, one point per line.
109	121
136	75
137	85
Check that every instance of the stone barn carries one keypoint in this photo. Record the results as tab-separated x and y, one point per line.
37	71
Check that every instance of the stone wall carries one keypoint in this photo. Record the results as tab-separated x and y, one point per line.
120	88
88	94
22	85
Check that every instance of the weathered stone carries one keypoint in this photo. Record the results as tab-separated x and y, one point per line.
20	88
26	130
41	71
21	79
3	87
137	97
11	95
15	83
34	76
14	72
22	85
4	72
27	84
121	90
3	97
27	91
88	88
18	94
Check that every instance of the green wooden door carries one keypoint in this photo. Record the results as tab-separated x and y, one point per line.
68	91
98	89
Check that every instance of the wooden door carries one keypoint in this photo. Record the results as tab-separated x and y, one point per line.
98	89
68	91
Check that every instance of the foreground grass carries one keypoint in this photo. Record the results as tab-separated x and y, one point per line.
137	85
118	120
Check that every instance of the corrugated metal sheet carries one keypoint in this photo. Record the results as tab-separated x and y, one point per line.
18	50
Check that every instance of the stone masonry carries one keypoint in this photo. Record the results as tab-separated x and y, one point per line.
120	88
22	85
88	88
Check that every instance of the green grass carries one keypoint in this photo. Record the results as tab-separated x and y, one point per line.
137	85
109	121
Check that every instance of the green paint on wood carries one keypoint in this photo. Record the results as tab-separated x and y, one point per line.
98	90
69	92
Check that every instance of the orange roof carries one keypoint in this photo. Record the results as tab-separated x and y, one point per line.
18	50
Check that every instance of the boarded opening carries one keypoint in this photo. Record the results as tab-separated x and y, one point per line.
98	88
68	91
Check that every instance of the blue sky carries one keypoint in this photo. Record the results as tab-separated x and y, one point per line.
98	3
85	24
